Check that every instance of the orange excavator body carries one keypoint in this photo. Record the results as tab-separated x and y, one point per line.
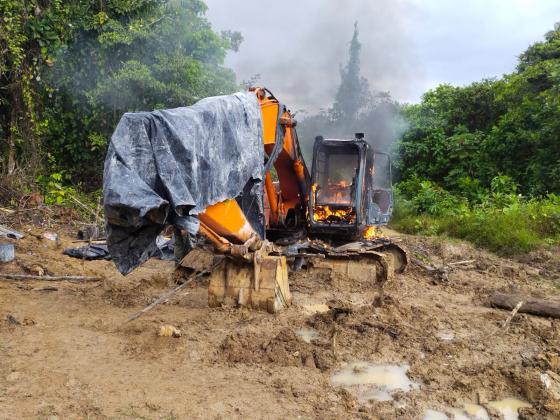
256	274
225	224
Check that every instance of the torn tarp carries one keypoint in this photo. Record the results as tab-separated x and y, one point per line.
165	167
89	252
164	251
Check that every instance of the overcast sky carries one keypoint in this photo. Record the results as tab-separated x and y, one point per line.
408	46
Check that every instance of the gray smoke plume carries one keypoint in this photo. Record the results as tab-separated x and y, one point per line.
297	46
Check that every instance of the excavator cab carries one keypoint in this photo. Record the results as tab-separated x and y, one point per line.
350	188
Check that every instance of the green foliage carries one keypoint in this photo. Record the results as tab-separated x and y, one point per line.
462	137
482	162
53	189
130	56
502	221
30	34
75	67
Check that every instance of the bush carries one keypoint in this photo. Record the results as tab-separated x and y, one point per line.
503	222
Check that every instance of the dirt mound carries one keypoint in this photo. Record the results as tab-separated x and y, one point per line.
283	349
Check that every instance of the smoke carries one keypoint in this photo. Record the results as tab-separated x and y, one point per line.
297	47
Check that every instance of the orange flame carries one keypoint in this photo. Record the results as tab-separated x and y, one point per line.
327	214
371	233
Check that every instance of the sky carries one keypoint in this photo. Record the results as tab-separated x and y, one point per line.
408	46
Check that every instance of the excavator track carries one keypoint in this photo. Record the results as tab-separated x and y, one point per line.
379	259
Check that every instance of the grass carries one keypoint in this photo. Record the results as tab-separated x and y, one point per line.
518	227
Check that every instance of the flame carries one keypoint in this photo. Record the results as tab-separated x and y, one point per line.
339	192
371	233
328	214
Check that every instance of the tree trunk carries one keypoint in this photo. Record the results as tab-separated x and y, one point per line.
530	305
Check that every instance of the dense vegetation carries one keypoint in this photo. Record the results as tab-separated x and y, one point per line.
482	162
69	70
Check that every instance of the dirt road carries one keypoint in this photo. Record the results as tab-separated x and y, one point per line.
67	353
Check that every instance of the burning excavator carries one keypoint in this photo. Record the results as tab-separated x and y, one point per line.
276	216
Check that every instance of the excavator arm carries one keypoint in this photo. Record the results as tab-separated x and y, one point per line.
224	224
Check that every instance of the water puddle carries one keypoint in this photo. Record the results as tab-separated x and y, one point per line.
508	407
316	308
369	381
308	334
470	412
435	415
459	414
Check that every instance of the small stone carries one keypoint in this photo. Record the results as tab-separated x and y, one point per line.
533	272
482	397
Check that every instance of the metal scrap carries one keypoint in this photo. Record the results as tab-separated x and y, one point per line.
9	233
7	252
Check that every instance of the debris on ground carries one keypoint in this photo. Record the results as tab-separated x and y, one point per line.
51	236
99	251
90	233
35	269
7	252
9	233
531	305
89	252
169	331
20	277
45	289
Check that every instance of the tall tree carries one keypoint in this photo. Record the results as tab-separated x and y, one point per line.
353	93
355	109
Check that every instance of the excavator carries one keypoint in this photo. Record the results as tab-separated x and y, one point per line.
326	218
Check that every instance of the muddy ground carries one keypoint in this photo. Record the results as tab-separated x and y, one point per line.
68	353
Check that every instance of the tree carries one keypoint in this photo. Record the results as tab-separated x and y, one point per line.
30	33
69	70
355	109
465	136
133	56
353	93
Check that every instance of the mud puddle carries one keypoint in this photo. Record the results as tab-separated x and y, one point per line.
509	407
369	381
434	415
